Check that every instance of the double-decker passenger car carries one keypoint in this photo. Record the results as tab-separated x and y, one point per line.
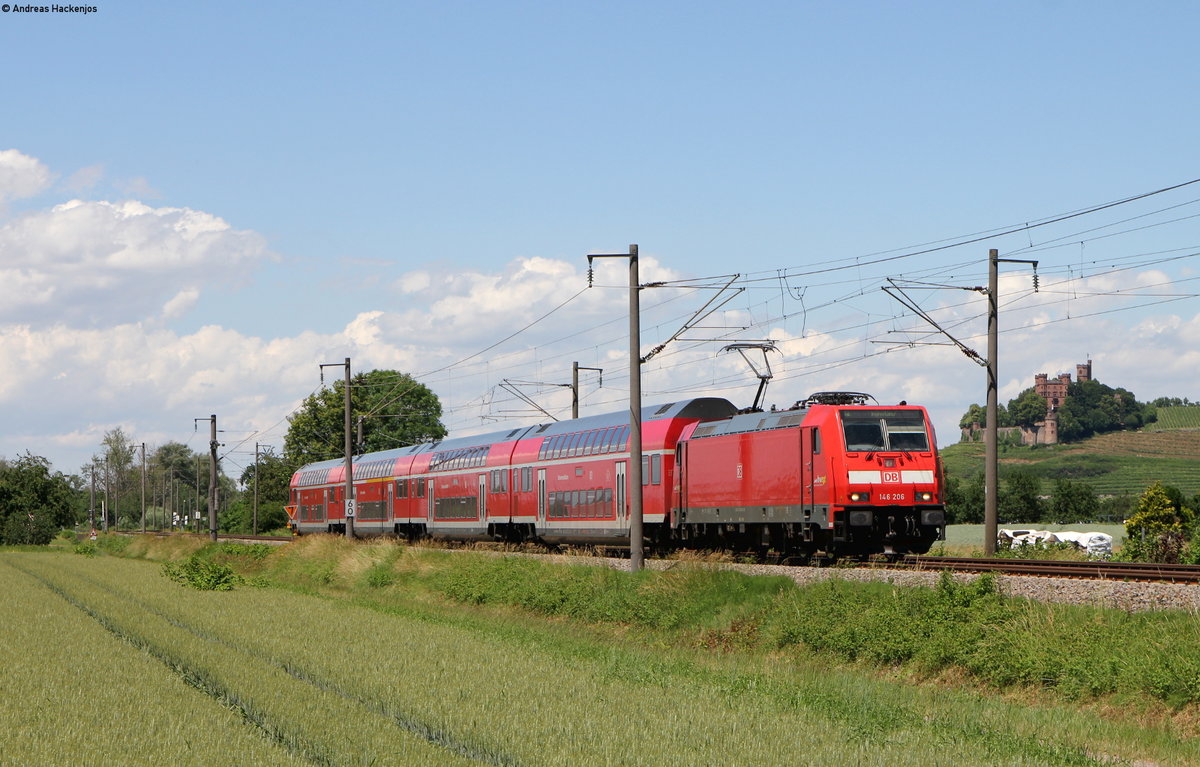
831	474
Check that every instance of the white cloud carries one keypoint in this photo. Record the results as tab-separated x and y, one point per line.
83	179
21	176
180	303
102	263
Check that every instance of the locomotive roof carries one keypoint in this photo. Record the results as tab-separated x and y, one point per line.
703	408
775	419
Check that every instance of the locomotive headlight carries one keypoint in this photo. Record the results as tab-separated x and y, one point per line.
925	496
860	497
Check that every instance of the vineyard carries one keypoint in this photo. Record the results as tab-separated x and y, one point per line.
1176	418
1116	463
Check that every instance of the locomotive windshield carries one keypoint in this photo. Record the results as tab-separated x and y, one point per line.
868	430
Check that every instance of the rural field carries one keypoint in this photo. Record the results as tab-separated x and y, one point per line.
332	654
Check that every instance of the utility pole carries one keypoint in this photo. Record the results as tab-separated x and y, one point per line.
349	449
196	510
213	444
991	487
256	488
104	508
92	499
575	368
143	488
212	477
636	555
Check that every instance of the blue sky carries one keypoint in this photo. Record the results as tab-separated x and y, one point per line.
263	187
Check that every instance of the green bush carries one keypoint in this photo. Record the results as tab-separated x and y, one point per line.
201	574
87	549
379	575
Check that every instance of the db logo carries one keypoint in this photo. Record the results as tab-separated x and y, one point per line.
891	476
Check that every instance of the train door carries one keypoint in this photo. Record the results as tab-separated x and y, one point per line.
679	486
808	438
620	492
541	491
429	501
483	494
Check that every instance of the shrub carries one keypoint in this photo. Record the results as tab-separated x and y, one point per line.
201	574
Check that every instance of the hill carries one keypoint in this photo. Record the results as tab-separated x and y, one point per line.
1116	463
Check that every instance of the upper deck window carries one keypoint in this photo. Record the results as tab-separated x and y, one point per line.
869	430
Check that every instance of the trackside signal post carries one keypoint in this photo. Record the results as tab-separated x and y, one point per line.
636	556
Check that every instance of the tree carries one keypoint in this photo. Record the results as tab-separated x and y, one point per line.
975	414
1027	409
115	472
1159	529
964	500
1093	408
34	502
396	411
177	467
1073	502
1019	501
274	476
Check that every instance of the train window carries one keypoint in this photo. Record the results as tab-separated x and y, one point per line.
499	481
816	441
420	488
556	446
884	430
656	469
401	489
645	469
526	480
906	430
863	430
589	443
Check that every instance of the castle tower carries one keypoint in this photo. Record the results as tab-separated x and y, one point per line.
1083	372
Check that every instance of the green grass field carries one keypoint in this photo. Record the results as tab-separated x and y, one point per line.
382	654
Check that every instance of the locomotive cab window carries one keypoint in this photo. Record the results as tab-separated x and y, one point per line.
871	430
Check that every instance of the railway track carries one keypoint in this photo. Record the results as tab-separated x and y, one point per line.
1095	570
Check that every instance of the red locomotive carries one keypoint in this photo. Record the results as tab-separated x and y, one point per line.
832	474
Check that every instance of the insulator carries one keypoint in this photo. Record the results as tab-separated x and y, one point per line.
589	276
1035	282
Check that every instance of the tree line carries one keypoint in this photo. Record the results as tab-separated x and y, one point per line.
389	410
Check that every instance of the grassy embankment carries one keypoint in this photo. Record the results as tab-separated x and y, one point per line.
461	657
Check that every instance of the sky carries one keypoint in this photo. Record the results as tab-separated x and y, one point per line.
200	203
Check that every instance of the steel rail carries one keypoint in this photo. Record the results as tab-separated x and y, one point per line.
1094	569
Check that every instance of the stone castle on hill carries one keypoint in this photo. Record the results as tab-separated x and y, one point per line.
1054	391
